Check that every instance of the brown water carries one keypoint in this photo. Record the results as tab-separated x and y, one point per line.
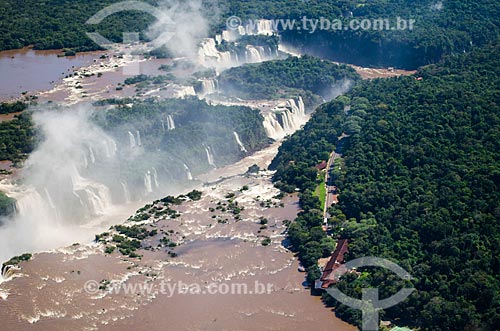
47	294
30	70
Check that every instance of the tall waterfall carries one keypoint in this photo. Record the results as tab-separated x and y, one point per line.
254	54
285	119
139	141
208	54
126	192
210	157
131	139
208	86
110	147
188	172
170	122
238	141
92	155
147	182
155	177
96	197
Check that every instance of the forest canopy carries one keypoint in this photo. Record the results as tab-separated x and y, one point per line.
441	28
420	186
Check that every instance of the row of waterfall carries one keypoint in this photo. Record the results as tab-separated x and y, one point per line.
259	27
209	55
170	124
285	119
208	86
150	179
134	141
181	92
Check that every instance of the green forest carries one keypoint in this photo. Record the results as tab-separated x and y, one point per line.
282	78
420	186
16	137
455	26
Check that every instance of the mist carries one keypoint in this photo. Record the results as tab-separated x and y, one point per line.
339	88
77	182
180	27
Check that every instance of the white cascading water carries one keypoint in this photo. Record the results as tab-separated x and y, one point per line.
238	141
254	54
210	157
184	91
155	177
285	119
147	182
170	122
96	197
208	86
208	55
265	27
55	197
92	155
188	172
131	140
126	192
85	161
139	141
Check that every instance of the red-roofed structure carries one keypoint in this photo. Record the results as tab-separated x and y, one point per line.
322	165
328	277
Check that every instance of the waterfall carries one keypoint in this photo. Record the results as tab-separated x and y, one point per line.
209	86
32	204
285	119
265	27
184	91
131	140
170	122
92	155
162	125
208	54
85	161
139	142
155	177
210	158
238	141
96	197
110	147
126	192
273	127
147	182
188	172
253	54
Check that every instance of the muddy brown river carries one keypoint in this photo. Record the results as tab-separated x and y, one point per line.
241	284
27	70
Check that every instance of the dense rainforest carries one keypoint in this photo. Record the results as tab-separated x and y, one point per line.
16	137
280	78
441	27
420	185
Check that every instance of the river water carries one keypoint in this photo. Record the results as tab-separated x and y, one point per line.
49	292
28	70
